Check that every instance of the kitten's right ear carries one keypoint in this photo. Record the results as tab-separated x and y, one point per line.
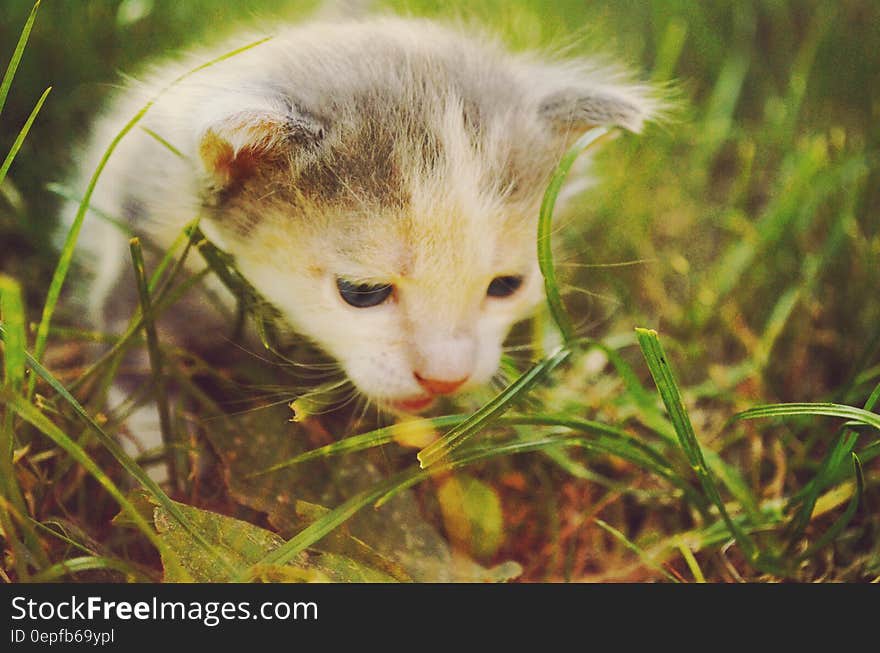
232	147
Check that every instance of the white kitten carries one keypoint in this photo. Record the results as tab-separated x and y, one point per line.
378	181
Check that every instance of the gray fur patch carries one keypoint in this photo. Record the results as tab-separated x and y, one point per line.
571	108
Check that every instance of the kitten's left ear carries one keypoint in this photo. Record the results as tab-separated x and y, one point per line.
574	110
236	142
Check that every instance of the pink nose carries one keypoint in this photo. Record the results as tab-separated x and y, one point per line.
439	387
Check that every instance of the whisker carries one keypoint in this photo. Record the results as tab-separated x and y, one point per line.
590	293
621	264
250	410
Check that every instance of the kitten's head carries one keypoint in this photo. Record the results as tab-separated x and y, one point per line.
391	212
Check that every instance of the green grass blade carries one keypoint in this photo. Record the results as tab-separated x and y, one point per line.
643	556
612	441
383	491
12	319
121	344
459	434
873	398
351	444
67	250
691	562
668	388
17	54
545	230
39	421
670	48
164	143
185	238
89	563
829	410
841	523
116	450
14	344
155	356
65	192
651	415
809	494
22	134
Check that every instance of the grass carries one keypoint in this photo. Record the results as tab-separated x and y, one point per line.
740	443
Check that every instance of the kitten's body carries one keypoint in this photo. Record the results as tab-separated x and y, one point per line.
384	152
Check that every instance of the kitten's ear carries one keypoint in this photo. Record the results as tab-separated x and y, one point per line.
574	110
233	146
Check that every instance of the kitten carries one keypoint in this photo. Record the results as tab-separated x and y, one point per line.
378	181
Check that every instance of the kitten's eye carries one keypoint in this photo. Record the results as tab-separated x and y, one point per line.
504	286
363	295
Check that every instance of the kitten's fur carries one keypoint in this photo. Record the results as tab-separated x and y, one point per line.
383	150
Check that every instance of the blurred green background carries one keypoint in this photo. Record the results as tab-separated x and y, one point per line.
753	213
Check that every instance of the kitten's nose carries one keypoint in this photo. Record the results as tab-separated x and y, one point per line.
439	386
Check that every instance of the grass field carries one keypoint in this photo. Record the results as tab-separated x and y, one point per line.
712	416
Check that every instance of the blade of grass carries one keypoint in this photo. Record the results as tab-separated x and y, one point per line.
250	301
64	192
90	563
829	410
616	442
166	295
12	319
22	134
691	562
545	230
668	388
63	536
830	472
502	402
186	238
17	54
155	356
67	250
388	488
164	143
9	533
14	344
669	51
841	523
643	556
721	106
123	458
809	494
125	340
351	444
652	417
39	421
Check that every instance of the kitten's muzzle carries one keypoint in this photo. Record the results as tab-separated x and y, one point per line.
440	386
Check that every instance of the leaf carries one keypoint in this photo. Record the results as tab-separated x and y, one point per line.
245	544
36	418
394	538
472	515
